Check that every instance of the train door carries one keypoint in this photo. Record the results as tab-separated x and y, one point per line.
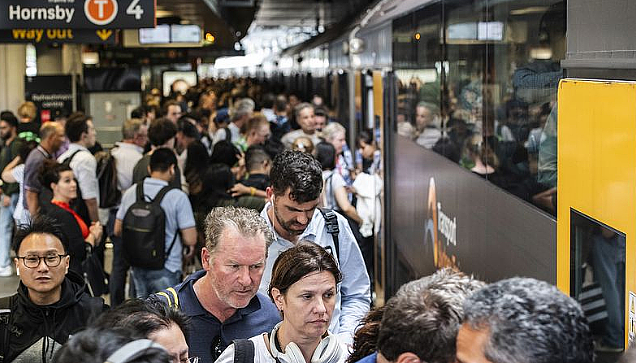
366	140
596	224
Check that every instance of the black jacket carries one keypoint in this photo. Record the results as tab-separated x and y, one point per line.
23	328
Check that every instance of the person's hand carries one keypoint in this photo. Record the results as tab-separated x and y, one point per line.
351	189
6	200
239	189
97	230
188	253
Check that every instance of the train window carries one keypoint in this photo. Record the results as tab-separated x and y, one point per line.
597	279
477	83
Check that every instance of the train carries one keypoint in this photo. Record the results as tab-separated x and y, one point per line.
507	137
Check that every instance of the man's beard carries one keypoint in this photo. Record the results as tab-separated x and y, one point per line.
286	225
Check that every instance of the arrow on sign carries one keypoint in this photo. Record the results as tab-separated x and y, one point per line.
104	34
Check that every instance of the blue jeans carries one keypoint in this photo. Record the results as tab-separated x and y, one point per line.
608	256
6	230
150	281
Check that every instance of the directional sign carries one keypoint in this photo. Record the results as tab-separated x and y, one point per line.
77	14
37	36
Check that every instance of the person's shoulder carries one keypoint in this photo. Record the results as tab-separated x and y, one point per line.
56	212
91	306
33	156
371	358
175	295
266	302
176	194
267	311
132	191
338	178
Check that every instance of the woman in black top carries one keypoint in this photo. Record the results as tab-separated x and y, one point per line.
60	180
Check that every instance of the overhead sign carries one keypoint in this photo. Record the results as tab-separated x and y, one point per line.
77	14
36	36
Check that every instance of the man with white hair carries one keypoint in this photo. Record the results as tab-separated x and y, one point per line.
523	320
243	111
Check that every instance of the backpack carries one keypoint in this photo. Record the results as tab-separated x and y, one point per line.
78	204
331	222
244	351
6	306
144	231
109	193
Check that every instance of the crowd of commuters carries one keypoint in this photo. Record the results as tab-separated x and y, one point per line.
245	223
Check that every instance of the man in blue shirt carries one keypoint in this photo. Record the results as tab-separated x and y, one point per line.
292	214
179	221
222	300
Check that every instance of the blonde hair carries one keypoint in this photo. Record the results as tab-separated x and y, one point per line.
330	131
27	110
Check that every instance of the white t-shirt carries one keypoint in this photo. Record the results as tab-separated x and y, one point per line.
333	181
20	214
84	168
261	353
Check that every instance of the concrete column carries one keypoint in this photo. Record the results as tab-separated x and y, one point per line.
72	59
12	72
49	60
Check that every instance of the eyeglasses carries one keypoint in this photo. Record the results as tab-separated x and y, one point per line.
34	261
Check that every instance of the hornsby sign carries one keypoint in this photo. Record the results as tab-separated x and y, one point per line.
77	14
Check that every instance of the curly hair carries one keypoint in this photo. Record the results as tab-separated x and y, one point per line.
522	312
365	338
298	172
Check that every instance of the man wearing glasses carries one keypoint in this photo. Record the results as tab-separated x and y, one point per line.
51	303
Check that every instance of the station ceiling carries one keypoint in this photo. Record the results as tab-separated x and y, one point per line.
314	13
229	20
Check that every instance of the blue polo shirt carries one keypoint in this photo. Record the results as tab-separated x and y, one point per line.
207	336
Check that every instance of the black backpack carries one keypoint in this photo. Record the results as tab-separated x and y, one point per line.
109	194
144	231
331	223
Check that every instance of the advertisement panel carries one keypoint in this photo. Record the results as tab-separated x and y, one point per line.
51	94
445	216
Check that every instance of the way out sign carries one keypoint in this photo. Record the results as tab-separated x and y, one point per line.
35	36
77	14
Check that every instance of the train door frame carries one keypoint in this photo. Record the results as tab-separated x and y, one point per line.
596	175
390	127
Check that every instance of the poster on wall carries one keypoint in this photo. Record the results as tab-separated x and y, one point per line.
52	95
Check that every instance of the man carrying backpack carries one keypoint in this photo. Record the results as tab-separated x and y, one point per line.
293	215
81	133
155	228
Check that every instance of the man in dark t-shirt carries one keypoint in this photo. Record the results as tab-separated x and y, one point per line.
52	135
161	133
257	163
